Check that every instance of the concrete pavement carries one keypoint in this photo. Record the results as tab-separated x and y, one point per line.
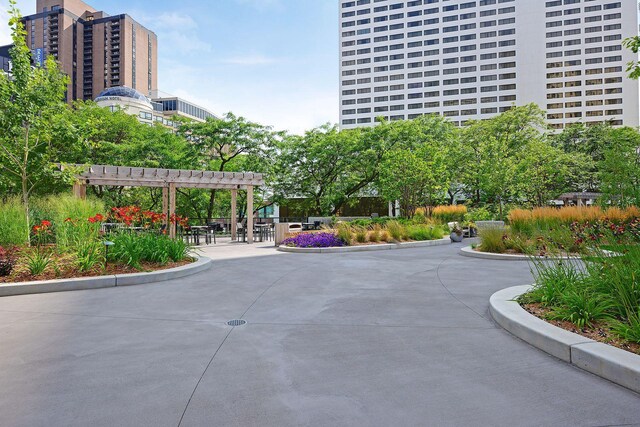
364	339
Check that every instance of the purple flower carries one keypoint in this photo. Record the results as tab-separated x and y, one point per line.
317	240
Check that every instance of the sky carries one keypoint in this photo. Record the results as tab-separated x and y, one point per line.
274	62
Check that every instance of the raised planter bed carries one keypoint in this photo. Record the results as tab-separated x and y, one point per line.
110	281
616	365
367	248
468	251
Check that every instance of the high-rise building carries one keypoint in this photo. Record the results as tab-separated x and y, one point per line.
468	59
96	50
5	58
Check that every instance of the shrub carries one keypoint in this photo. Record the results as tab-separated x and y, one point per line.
452	213
384	236
492	240
478	214
314	240
7	262
13	224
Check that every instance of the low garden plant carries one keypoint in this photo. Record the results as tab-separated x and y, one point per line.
600	292
565	231
67	239
314	240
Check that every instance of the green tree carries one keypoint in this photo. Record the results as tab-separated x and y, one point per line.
620	169
31	99
490	150
544	172
633	67
309	167
415	170
221	143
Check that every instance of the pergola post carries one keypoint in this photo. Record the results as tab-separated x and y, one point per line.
79	190
172	209
234	215
165	205
250	214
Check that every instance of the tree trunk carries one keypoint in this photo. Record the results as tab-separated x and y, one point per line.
212	201
25	205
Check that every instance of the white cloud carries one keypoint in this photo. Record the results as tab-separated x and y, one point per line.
176	31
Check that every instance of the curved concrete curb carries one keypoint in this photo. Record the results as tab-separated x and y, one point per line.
469	252
611	363
63	285
367	248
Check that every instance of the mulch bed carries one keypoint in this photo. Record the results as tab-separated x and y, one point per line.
111	269
600	332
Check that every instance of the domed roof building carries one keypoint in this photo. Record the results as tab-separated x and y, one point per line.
129	100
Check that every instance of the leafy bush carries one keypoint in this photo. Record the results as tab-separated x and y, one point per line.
492	240
478	214
314	240
13	226
7	262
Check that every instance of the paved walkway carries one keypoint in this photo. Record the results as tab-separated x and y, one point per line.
392	338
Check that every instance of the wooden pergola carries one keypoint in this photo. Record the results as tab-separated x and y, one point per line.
171	179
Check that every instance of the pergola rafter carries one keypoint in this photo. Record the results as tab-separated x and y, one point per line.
169	180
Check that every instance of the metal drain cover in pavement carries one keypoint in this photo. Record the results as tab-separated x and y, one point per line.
236	322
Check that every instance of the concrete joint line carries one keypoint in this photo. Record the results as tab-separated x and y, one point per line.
611	363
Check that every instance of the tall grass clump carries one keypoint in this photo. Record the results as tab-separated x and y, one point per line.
492	240
133	249
424	232
361	234
13	224
452	213
528	221
602	288
344	231
374	233
71	219
397	231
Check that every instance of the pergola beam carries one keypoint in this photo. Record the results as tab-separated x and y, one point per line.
154	177
170	180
